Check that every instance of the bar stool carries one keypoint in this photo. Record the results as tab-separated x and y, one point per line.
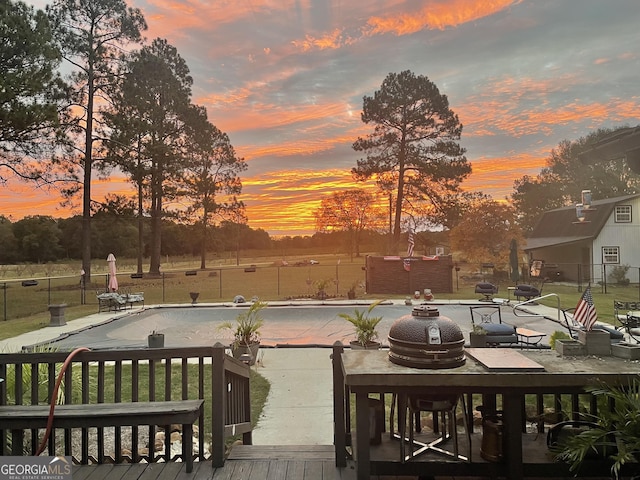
443	408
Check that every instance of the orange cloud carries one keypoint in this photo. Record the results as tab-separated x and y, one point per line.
331	40
436	15
287	200
490	176
520	106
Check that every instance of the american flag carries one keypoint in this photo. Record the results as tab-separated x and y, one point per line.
586	310
411	243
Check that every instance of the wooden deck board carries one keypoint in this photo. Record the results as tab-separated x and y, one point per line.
277	452
297	462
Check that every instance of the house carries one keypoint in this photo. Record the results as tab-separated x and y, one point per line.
561	245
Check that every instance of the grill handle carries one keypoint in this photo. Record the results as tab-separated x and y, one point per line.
434	353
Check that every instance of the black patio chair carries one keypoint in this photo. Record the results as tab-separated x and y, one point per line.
489	318
526	291
487	289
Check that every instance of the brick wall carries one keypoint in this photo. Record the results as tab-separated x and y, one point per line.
388	275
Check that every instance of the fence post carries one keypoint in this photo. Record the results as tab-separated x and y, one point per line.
339	407
4	301
218	404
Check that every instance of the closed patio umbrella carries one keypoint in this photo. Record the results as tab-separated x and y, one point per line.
513	261
113	280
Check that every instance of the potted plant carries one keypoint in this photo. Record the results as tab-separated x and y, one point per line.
246	332
365	327
351	293
155	340
616	431
478	337
322	285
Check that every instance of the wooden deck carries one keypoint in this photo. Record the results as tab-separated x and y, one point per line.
253	462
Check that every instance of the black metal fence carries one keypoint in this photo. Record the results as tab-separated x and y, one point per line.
603	275
30	296
25	297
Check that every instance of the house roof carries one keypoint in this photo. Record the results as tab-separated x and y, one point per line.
560	226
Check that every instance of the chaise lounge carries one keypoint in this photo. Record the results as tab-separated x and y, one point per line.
526	291
108	301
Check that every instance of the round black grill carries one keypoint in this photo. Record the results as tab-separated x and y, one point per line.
425	339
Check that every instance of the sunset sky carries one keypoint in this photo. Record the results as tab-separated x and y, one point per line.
285	80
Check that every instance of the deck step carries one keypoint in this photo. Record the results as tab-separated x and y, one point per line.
282	452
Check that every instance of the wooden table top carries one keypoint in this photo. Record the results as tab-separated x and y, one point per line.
527	332
372	368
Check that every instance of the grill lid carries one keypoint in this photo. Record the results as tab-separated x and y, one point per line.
426	339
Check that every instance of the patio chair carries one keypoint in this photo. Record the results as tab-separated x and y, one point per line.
487	289
111	301
628	315
573	326
622	308
489	317
526	291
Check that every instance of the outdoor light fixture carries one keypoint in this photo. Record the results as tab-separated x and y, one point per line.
581	213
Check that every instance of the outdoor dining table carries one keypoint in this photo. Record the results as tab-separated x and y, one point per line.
490	371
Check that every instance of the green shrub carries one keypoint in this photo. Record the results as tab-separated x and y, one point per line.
557	335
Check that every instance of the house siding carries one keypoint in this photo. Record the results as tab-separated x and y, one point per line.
626	236
575	248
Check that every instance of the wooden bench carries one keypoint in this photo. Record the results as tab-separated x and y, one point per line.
185	412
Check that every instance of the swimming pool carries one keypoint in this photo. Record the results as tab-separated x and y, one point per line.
284	325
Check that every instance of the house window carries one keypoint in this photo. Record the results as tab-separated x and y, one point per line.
610	254
623	214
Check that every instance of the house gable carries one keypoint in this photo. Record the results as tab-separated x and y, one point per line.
561	226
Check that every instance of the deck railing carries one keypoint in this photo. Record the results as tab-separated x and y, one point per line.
127	375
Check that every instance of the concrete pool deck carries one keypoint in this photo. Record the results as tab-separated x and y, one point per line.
299	409
289	324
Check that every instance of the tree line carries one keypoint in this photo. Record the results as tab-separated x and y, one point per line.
43	239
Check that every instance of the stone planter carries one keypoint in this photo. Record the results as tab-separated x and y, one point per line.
627	351
194	297
597	342
570	348
355	345
156	340
477	341
57	315
250	353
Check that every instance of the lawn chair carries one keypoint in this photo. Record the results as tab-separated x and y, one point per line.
526	291
108	301
628	315
489	317
487	289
